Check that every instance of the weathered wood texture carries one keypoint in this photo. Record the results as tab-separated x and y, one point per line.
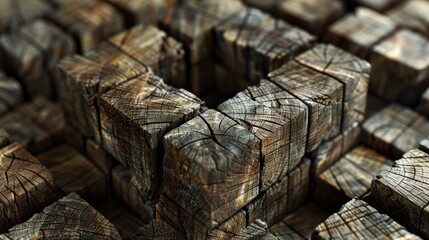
322	94
100	157
252	43
395	130
300	223
17	12
70	217
255	230
423	106
11	94
400	67
377	5
211	168
282	198
157	230
350	177
358	32
352	72
358	220
331	151
38	125
130	195
134	117
401	191
90	22
270	128
31	53
26	186
73	172
412	14
4	138
291	108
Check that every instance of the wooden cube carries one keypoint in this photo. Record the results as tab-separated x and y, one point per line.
412	14
377	5
395	130
70	216
38	125
90	22
252	44
350	177
360	31
211	168
100	157
18	12
10	92
350	71
358	220
73	172
26	186
322	94
313	16
134	118
400	67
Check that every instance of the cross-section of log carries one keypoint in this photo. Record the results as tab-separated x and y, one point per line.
129	194
10	93
270	128
100	157
134	117
252	43
17	12
412	14
283	197
26	187
74	173
90	22
38	125
292	110
300	223
350	71
400	67
211	168
377	5
395	130
311	15
32	52
331	151
4	138
401	191
70	217
358	32
157	230
350	177
155	50
322	94
358	220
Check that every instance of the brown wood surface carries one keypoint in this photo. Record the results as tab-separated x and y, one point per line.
423	106
412	14
377	5
100	157
4	138
26	186
11	94
157	230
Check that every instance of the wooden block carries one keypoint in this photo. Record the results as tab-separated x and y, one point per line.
38	125
227	83
412	14
252	44
155	50
26	186
136	12
358	220
90	23
211	168
69	217
134	117
350	177
85	78
377	5
4	138
300	223
395	130
331	151
400	67
360	31
157	230
73	172
423	106
10	94
99	157
314	16
130	195
322	94
17	12
350	71
288	106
